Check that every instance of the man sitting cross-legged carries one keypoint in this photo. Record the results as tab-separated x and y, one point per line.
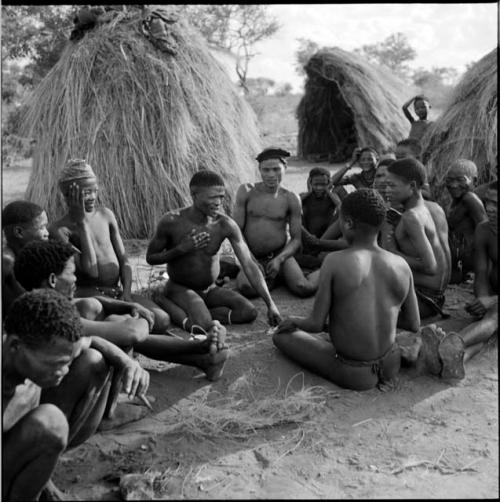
263	211
102	263
416	237
55	386
51	265
445	355
362	290
188	241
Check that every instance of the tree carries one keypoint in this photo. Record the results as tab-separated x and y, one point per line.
436	76
259	86
284	90
235	29
306	49
394	52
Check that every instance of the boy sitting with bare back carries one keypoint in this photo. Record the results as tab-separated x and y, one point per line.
362	279
102	262
416	236
464	213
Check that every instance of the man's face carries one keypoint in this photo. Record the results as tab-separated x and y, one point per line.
66	280
404	152
458	181
421	108
490	202
398	189
272	171
209	200
367	160
47	366
37	230
319	184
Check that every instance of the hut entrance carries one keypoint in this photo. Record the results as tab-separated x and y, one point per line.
329	131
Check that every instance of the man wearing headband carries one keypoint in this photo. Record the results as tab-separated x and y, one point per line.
263	210
102	262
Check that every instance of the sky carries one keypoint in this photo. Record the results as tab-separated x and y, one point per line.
443	35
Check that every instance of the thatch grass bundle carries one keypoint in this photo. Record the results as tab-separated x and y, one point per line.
347	103
240	414
468	126
144	119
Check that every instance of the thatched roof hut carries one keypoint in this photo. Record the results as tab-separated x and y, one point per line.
143	100
349	102
468	126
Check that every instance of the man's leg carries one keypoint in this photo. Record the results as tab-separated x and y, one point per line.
296	281
317	354
230	307
162	319
197	313
82	395
30	451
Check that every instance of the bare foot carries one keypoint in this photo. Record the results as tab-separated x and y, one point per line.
216	337
428	357
213	364
451	351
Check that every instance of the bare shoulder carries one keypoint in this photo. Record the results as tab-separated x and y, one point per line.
8	260
412	217
292	197
471	199
106	213
396	262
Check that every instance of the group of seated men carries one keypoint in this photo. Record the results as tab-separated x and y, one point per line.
376	257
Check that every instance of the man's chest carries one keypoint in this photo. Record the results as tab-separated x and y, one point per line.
267	206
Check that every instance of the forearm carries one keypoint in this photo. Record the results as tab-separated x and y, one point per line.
113	354
126	278
87	258
481	287
164	256
292	246
308	324
257	281
339	175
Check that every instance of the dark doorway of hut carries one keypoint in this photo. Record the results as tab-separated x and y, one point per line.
327	128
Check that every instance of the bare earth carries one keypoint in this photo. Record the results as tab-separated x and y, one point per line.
424	439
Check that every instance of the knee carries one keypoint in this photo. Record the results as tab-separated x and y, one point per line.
92	365
137	330
247	313
162	321
303	289
50	428
247	291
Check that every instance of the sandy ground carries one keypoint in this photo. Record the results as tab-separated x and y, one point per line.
424	439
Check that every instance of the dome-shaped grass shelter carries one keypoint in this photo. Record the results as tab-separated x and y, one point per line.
140	97
349	102
467	128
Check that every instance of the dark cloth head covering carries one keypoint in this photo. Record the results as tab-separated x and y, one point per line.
273	153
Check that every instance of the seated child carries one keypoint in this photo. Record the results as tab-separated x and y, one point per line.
102	263
421	106
319	210
366	158
464	213
361	351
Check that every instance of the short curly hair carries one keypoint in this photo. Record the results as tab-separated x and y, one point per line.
365	206
38	259
413	145
409	169
40	316
20	212
319	171
206	178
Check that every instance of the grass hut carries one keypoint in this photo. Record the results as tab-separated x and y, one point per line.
347	103
467	128
142	99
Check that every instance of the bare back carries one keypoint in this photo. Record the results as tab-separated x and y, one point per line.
101	224
417	236
266	216
368	288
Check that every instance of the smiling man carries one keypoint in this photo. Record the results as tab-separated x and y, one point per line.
188	240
